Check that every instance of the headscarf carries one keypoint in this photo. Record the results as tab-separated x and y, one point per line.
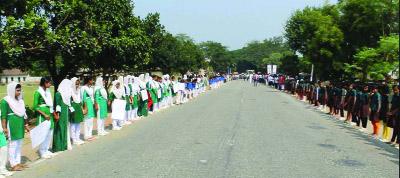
46	95
17	106
76	93
126	84
136	84
89	91
118	93
152	84
142	81
147	77
99	85
66	91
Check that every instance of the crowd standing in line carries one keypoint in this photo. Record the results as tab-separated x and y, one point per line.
73	105
374	102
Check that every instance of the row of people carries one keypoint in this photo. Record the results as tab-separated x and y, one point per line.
362	102
74	104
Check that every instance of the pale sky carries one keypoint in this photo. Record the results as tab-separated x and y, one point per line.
230	22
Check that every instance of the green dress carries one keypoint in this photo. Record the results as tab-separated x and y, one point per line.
3	141
78	113
128	101
60	134
135	103
88	100
153	93
102	103
40	104
172	90
16	124
142	110
166	89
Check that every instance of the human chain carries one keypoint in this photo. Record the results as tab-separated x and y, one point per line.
361	102
130	98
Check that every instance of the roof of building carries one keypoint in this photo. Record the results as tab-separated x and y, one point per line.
13	72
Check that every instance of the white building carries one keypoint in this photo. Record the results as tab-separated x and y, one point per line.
8	76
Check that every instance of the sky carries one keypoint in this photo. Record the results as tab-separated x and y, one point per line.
233	23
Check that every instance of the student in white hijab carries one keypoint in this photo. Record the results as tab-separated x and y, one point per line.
129	101
88	104
143	105
14	123
117	93
78	114
134	86
61	136
43	105
100	98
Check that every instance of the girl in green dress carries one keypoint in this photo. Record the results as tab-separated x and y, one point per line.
134	86
100	105
77	115
129	101
14	123
143	105
88	102
152	88
3	153
43	105
117	93
61	141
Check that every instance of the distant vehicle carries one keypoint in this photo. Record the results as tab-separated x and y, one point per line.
250	71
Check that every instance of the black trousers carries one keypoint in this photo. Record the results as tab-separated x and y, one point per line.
354	119
396	134
364	121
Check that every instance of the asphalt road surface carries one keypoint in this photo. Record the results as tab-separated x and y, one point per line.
237	130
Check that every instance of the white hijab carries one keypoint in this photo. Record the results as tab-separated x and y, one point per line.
89	91
118	93
152	83
76	93
147	77
142	82
126	84
46	96
17	106
99	85
66	91
136	84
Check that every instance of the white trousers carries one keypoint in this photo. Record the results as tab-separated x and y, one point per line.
3	158
45	145
135	114
75	131
128	115
100	123
88	128
14	152
117	123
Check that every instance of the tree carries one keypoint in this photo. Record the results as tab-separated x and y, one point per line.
218	55
376	62
190	57
50	36
253	54
122	44
318	38
63	36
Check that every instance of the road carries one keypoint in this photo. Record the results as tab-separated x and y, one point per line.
237	130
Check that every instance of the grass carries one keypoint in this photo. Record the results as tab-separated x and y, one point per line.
27	93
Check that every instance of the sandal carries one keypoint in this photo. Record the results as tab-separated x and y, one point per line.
23	165
16	168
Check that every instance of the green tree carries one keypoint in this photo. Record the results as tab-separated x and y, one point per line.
219	56
376	63
318	38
